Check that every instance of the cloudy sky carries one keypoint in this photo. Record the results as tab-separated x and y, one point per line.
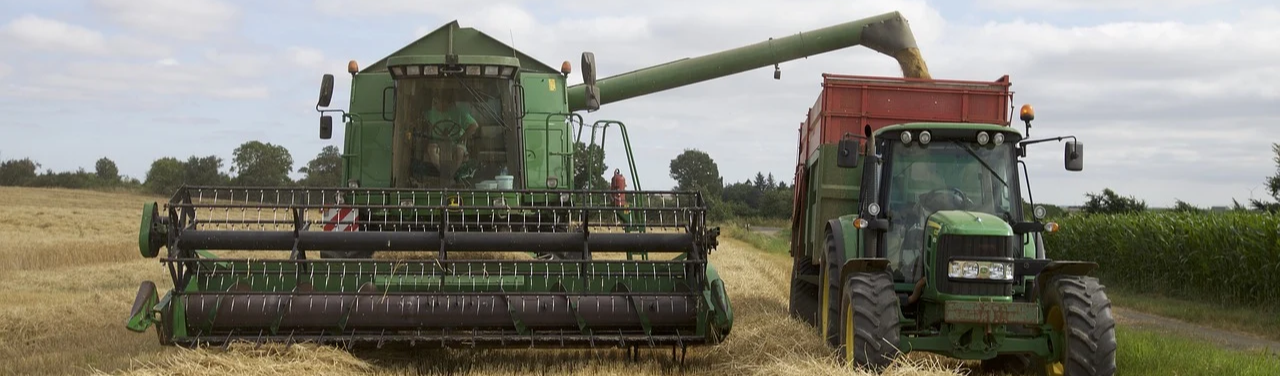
1173	99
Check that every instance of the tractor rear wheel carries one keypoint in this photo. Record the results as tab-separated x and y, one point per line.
804	298
869	321
1078	308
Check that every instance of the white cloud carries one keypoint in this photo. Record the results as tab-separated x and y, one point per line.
188	19
48	35
5	70
1061	5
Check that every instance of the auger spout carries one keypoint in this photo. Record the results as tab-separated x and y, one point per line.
887	33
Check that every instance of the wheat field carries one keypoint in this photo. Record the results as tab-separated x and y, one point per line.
69	269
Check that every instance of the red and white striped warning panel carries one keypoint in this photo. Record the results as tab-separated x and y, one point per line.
340	219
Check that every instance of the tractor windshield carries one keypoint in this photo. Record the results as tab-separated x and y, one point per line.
454	132
943	175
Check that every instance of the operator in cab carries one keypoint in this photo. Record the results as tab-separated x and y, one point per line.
448	124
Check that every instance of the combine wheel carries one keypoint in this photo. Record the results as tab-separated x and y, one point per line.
804	300
1078	308
869	321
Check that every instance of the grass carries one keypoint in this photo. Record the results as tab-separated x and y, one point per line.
1244	320
1144	352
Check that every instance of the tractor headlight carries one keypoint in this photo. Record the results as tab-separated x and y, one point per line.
353	183
406	202
552	182
500	201
564	197
990	270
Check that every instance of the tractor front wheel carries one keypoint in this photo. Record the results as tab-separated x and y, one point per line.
869	324
1077	307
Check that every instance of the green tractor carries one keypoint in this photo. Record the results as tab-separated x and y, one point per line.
458	145
910	233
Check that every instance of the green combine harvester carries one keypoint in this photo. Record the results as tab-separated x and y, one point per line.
455	146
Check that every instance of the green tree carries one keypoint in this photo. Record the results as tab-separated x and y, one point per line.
205	171
325	170
589	166
1273	186
16	172
261	164
1183	206
695	170
165	176
106	170
1111	203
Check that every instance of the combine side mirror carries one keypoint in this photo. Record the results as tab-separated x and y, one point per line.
326	90
326	127
589	78
1073	156
847	153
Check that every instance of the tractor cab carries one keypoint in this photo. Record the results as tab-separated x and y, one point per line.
929	170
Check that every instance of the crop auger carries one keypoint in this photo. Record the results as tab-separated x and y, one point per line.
455	146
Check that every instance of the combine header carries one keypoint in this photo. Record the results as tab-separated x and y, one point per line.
460	224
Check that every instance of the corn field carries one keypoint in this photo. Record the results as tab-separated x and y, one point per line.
1226	257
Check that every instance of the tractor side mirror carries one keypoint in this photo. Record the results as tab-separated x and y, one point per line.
847	153
589	78
1073	156
326	127
326	90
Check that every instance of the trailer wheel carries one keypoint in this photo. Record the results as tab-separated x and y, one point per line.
1078	308
831	291
804	299
869	321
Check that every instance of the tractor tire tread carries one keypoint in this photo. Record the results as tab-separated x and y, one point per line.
1090	326
875	317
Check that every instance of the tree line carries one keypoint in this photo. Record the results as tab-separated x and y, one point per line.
253	163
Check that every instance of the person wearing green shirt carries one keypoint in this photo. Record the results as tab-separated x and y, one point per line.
448	124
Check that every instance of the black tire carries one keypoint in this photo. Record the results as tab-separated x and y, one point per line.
804	300
1078	308
871	305
832	263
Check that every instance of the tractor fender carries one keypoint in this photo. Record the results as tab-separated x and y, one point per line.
861	265
1061	268
852	263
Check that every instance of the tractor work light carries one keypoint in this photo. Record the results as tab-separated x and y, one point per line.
998	138
925	137
984	270
905	137
983	138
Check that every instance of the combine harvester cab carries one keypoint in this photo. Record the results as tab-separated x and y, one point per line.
910	232
458	146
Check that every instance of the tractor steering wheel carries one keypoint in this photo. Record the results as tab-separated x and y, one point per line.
946	198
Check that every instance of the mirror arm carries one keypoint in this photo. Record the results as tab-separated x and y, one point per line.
1059	138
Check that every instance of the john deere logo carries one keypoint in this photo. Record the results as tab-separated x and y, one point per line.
454	201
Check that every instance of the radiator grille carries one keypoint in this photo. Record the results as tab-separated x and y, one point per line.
961	246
